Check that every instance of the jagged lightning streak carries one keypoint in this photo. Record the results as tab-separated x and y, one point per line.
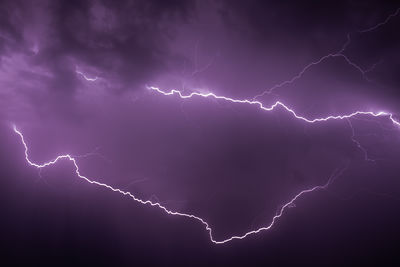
338	54
358	144
151	203
275	105
382	23
87	78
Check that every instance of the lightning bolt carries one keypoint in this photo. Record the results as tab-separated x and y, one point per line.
275	105
358	144
87	78
151	203
338	54
382	23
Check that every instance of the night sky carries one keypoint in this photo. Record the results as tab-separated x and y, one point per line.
93	80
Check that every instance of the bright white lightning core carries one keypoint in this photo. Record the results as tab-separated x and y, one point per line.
275	105
151	203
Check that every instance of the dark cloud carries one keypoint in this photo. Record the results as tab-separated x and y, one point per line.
306	22
123	41
45	43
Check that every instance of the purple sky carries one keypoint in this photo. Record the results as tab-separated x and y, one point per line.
74	79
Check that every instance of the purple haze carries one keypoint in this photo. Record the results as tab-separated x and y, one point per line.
76	78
